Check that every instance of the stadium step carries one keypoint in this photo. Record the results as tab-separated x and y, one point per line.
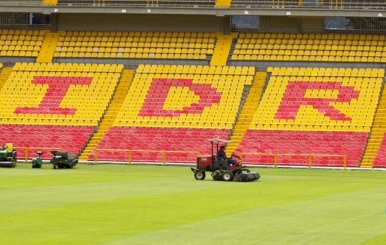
48	48
4	75
221	50
223	3
111	113
247	112
50	2
376	135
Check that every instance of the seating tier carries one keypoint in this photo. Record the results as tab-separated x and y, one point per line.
319	99
46	106
45	138
136	45
176	108
296	147
184	97
310	47
24	43
57	94
314	111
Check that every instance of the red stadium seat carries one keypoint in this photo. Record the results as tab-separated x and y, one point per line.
44	138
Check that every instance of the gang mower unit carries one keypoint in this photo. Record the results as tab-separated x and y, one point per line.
63	159
8	156
222	169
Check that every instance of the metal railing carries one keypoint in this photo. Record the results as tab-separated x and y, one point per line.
307	4
236	4
27	150
21	3
275	156
129	153
135	3
310	157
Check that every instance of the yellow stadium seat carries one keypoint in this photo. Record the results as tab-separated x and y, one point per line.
142	45
338	48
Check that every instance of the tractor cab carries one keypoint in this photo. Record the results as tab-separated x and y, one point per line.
225	169
211	163
8	156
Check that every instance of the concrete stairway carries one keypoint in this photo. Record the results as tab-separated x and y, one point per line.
111	113
247	113
376	135
4	75
221	50
47	50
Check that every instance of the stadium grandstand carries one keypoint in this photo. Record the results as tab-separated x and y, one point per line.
286	82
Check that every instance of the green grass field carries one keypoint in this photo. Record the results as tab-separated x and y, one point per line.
114	204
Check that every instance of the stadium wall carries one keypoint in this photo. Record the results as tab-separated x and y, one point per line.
178	23
122	22
280	24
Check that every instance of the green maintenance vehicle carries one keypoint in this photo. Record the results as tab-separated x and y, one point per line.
63	159
8	156
37	161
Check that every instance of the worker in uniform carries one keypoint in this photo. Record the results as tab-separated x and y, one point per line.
221	155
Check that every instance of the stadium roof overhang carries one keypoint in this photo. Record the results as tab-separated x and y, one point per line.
195	11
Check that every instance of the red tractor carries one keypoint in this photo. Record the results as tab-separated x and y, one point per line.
222	169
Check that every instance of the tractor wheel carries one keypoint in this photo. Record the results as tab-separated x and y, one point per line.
13	164
227	176
199	175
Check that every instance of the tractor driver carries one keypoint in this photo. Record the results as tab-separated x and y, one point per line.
221	155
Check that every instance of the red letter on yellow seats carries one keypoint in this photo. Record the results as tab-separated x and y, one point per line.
295	96
157	94
57	89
